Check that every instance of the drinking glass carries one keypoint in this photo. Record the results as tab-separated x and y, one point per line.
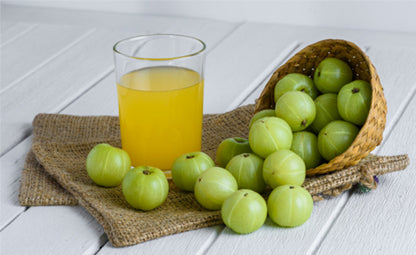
160	87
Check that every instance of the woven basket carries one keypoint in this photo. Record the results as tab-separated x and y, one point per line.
306	61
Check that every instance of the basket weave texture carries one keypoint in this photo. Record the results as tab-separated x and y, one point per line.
305	62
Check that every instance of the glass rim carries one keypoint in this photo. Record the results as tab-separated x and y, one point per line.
202	49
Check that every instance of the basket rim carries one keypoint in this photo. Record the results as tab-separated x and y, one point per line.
377	92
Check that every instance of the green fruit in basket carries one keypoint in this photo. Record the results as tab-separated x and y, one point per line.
335	138
247	169
289	205
326	111
107	165
145	187
305	144
295	82
229	148
187	168
297	109
244	211
262	114
354	101
268	135
213	186
283	167
331	74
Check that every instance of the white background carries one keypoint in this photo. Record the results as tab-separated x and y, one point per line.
389	15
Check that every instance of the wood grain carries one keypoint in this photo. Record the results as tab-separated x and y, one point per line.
91	96
369	220
75	76
48	41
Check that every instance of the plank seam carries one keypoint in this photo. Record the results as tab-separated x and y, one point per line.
238	25
340	206
262	76
103	238
270	70
20	34
90	86
396	118
5	30
45	62
14	218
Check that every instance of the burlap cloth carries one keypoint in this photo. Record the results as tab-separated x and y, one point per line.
54	174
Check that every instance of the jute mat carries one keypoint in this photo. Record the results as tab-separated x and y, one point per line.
54	174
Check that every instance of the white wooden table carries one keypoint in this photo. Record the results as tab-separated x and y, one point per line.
56	61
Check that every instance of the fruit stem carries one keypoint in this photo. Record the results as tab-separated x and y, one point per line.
355	90
190	156
246	155
303	123
147	171
291	187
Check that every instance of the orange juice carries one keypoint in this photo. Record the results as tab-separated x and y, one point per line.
160	114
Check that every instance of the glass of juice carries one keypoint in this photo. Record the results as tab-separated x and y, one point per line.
160	89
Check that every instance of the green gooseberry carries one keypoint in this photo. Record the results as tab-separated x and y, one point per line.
145	187
229	148
244	211
295	82
326	111
297	109
283	167
247	169
305	144
262	114
331	74
335	138
268	135
213	186
107	165
354	101
289	205
187	168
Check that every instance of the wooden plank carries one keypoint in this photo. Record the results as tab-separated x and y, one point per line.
244	62
391	199
382	221
5	25
57	239
211	32
130	24
13	31
326	212
108	94
80	67
107	90
12	164
191	242
396	90
76	230
54	86
34	48
265	239
271	239
123	21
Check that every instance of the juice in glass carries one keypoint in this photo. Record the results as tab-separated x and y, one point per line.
160	112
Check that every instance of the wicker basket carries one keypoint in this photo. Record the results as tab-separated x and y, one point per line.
306	61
